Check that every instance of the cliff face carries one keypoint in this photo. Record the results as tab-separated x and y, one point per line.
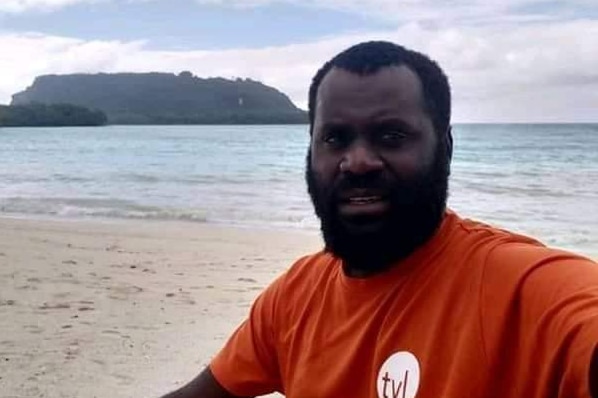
162	98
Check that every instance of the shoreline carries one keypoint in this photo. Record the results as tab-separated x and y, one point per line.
269	228
50	218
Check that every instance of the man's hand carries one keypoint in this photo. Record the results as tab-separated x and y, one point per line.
203	386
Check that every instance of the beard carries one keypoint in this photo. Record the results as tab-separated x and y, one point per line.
372	244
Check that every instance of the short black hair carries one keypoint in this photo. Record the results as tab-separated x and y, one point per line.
369	57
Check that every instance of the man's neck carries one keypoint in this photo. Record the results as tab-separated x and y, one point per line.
361	270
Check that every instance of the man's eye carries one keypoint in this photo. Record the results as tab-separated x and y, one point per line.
335	139
330	138
392	137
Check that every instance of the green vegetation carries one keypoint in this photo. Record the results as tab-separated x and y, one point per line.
41	115
163	98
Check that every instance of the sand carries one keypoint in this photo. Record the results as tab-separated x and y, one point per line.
126	308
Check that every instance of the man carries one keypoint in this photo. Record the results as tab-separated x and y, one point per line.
407	299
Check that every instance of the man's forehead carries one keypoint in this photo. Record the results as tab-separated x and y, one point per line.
396	85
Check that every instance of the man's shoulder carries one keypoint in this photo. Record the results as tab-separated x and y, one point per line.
494	241
509	257
524	258
514	265
491	234
505	249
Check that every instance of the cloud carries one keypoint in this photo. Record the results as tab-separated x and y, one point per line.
26	56
440	11
17	6
533	72
443	11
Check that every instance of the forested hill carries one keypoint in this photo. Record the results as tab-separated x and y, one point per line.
163	98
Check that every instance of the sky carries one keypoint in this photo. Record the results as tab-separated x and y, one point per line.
507	60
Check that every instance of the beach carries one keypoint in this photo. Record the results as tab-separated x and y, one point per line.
121	308
128	254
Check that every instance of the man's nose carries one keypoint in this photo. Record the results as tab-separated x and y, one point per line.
360	159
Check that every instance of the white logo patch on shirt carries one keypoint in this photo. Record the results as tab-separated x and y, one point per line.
399	376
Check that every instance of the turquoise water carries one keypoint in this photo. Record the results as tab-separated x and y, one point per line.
536	179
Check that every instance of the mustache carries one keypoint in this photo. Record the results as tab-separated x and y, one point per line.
370	181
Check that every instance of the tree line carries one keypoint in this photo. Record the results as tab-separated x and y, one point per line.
44	115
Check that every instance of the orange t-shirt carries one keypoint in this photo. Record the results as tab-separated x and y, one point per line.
475	312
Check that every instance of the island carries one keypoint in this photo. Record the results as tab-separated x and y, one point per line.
165	98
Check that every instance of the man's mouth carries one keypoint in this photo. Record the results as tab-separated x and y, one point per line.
362	200
360	203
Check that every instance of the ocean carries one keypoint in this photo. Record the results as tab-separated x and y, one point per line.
540	180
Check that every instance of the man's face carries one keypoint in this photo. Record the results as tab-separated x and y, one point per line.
376	170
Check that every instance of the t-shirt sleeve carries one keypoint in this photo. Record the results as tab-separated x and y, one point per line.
547	302
247	365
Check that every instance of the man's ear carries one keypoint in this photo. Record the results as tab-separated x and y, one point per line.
449	142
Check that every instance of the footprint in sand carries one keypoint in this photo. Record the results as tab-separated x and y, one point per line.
33	329
123	379
27	287
235	290
57	306
123	292
111	331
72	350
112	248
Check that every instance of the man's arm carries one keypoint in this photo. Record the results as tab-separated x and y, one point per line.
203	386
